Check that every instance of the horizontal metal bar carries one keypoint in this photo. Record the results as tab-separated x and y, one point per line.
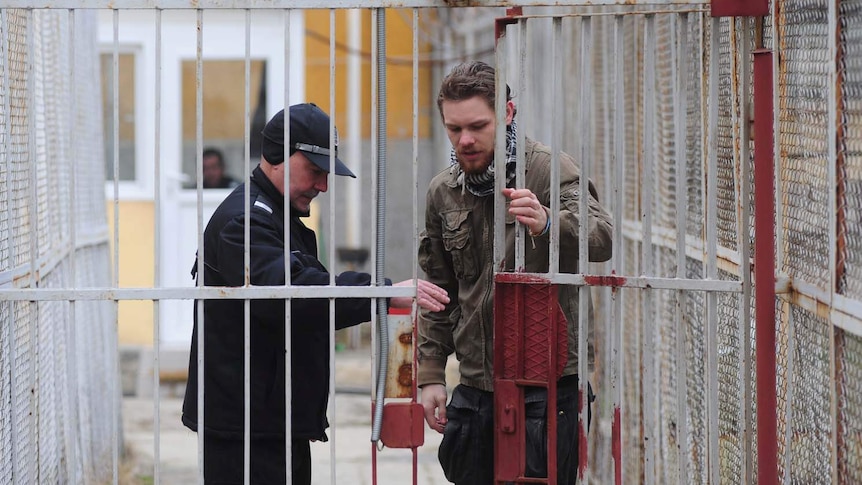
19	276
726	259
842	312
686	8
319	4
204	292
618	281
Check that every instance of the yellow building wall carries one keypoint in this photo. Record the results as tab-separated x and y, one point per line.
137	247
399	70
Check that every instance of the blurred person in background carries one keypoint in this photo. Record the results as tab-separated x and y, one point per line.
215	176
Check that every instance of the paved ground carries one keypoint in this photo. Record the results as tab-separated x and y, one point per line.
351	435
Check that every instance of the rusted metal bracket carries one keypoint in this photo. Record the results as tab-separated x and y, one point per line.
403	425
739	8
500	23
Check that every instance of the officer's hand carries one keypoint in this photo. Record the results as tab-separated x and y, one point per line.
428	295
434	402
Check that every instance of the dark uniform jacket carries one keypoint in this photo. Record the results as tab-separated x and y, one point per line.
223	322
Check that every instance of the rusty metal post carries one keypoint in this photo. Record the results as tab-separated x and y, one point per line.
764	270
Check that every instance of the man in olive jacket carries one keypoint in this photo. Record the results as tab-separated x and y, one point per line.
456	253
223	324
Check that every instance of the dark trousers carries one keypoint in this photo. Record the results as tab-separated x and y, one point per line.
223	462
467	450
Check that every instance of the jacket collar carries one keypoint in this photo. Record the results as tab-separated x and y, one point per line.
272	194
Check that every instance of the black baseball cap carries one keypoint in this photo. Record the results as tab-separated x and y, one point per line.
309	133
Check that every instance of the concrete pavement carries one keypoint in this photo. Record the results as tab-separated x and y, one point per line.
351	433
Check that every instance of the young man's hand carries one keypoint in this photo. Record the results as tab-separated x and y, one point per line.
434	402
527	209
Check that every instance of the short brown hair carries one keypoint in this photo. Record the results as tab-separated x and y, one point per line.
467	80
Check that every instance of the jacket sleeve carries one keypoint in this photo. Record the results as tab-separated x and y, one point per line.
266	248
436	341
599	222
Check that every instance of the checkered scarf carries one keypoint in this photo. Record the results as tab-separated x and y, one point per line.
482	184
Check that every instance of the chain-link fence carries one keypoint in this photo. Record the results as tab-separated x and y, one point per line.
667	140
58	405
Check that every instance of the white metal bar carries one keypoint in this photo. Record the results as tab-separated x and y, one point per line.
679	47
832	183
157	243
33	219
321	4
618	261
501	52
9	329
584	300
288	351
415	139
115	394
331	247
710	263
354	142
280	292
788	403
744	245
200	226
246	452
556	144
520	151
72	351
695	248
375	330
651	408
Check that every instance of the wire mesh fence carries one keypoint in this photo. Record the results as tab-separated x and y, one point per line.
684	365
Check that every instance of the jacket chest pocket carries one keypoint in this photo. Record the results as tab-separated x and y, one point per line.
457	242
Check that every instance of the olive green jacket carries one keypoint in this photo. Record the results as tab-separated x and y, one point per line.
456	253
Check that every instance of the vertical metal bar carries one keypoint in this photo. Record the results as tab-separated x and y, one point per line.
556	144
354	143
200	227
834	112
776	127
8	330
331	247
157	243
115	394
379	305
764	271
375	108
288	351
415	139
71	355
744	244
501	52
680	126
520	170
33	219
618	261
585	130
247	256
414	310
650	383
711	249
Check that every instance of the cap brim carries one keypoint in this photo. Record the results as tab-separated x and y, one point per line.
322	161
